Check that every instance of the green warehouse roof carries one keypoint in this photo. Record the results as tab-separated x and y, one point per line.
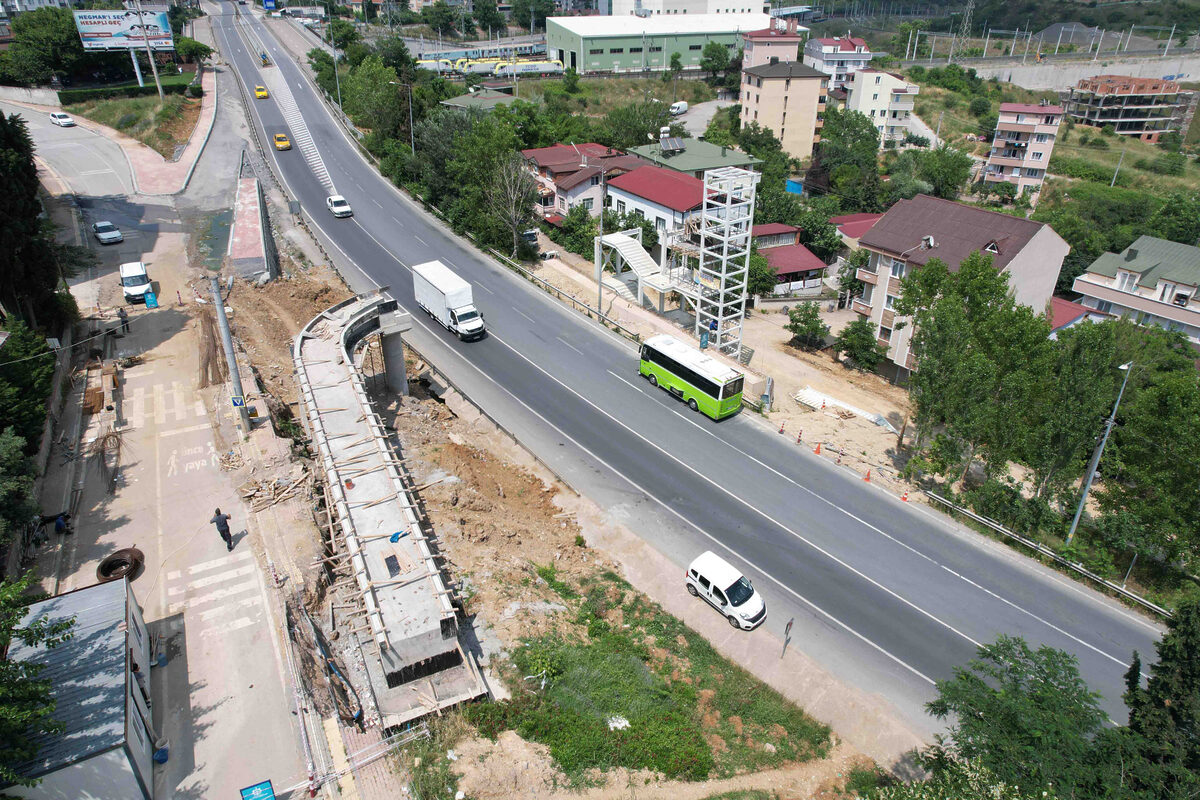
696	156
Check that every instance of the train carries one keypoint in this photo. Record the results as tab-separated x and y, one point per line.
436	65
507	69
492	51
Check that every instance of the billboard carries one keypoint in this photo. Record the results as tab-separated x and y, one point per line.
268	5
123	30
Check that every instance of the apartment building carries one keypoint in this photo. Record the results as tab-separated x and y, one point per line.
914	231
1142	107
886	98
1153	282
771	44
839	57
788	99
1021	146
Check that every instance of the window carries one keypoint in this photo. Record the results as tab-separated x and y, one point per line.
612	51
875	96
1165	291
660	224
635	49
877	78
1104	305
595	180
595	52
693	47
885	334
1037	156
1127	281
637	212
656	49
686	374
897	268
620	206
889	302
586	203
991	247
1040	138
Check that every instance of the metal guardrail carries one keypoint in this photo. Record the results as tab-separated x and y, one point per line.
1048	553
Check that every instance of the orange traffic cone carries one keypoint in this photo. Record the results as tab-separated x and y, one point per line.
818	450
904	496
868	478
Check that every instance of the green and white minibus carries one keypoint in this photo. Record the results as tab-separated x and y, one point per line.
701	381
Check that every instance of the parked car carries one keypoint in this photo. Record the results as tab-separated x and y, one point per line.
62	120
135	282
338	206
261	93
282	142
725	589
107	233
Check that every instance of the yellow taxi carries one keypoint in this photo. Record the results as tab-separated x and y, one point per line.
282	142
261	93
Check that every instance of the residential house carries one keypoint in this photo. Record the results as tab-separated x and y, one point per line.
1021	147
99	684
693	156
1153	282
670	199
797	269
788	99
851	227
914	231
1066	314
771	45
1142	107
886	98
568	175
839	57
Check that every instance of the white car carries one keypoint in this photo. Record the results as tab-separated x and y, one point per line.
107	233
726	589
338	206
62	120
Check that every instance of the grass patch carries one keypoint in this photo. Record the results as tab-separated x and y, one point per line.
161	125
550	575
425	759
690	713
598	96
862	781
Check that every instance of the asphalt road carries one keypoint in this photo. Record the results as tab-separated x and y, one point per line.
886	596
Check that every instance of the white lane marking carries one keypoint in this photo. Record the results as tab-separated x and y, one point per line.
204	566
486	289
213	597
743	502
622	380
189	429
568	344
526	316
419	239
226	627
642	490
376	202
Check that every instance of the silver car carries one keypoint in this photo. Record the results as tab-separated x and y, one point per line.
107	233
62	120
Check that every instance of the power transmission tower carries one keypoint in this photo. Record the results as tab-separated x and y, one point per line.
960	42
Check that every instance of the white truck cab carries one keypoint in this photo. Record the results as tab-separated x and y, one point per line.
135	282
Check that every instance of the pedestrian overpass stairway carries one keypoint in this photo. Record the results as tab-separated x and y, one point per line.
626	252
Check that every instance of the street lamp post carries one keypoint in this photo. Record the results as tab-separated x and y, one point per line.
1091	473
600	246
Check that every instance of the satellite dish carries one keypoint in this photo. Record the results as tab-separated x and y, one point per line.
650	136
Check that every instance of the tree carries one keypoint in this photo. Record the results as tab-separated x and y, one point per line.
570	81
848	273
846	159
371	100
26	707
761	279
510	194
17	505
959	780
1164	718
26	375
806	326
672	74
342	33
45	44
441	17
1026	715
714	58
190	50
532	13
630	125
394	53
857	341
946	169
489	18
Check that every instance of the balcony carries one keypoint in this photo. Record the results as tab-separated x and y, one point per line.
1136	302
910	362
866	276
1008	161
888	320
860	307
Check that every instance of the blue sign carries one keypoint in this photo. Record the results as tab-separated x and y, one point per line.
238	401
259	791
151	300
269	5
703	338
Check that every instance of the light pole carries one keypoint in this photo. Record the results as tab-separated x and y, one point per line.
1091	473
600	240
412	141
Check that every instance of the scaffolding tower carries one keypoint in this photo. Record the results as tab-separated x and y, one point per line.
726	218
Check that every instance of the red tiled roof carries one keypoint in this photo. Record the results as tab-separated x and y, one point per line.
665	187
845	44
772	33
1064	313
772	229
1030	108
613	166
791	258
555	219
853	226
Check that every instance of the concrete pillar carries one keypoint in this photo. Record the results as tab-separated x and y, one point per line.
391	331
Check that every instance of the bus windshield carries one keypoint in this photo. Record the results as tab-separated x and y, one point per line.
733	388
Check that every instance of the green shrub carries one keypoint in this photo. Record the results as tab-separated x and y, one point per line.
195	90
980	106
1098	143
1073	167
1164	164
127	121
69	96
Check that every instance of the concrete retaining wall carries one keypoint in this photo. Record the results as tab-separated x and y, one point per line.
41	97
1059	75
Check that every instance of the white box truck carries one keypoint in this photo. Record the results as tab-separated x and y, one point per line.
447	298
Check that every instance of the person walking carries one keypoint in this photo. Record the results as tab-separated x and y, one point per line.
222	523
123	315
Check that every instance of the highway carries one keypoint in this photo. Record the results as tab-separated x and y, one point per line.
887	597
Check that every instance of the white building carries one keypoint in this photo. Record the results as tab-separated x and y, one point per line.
14	7
839	57
670	199
647	8
886	98
106	747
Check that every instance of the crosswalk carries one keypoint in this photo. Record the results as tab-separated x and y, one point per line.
301	139
217	596
161	403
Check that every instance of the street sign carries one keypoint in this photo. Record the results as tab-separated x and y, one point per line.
151	300
259	791
703	338
238	401
268	5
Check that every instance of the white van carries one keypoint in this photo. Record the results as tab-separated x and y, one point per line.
726	589
135	282
678	108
